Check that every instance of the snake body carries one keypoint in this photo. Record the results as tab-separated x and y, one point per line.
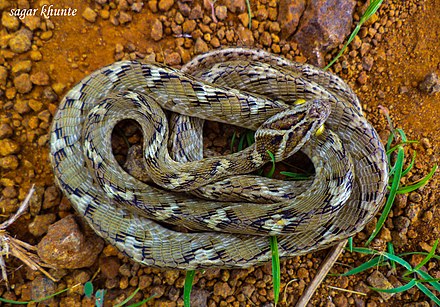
229	213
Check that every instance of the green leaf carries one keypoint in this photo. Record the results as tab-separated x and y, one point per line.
249	13
295	176
99	298
415	186
272	170
390	248
428	293
392	195
350	244
403	288
428	257
411	165
88	289
188	287
234	137
128	298
364	266
428	277
276	271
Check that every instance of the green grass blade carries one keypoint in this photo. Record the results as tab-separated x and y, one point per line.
241	143
394	148
37	300
272	159
428	293
276	271
392	195
411	164
397	259
428	278
390	248
142	302
436	257
402	134
415	186
188	287
234	137
350	244
403	288
363	267
249	13
295	176
372	8
128	298
250	139
364	250
428	257
13	302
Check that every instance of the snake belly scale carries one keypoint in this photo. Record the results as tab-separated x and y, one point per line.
229	214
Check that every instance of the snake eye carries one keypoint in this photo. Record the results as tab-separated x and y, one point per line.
320	130
299	101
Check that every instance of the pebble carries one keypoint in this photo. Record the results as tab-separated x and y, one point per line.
235	6
89	14
378	280
196	12
41	223
109	266
221	12
23	83
200	46
40	78
65	246
51	197
32	22
246	36
170	276
8	147
430	84
10	22
20	43
124	18
173	58
222	289
3	75
5	131
46	35
42	286
157	30
21	67
165	5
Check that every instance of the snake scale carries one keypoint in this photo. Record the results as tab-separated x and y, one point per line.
229	214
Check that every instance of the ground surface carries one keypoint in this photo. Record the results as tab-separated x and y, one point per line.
393	56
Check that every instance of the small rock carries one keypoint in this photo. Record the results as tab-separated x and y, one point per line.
221	12
248	290
10	22
5	131
89	15
21	106
23	83
170	276
431	84
137	7
199	297
157	30
58	88
65	246
200	46
51	197
340	301
40	78
32	22
36	55
303	273
266	39
363	78
261	14
41	224
235	6
124	18
378	280
324	25
289	15
222	289
189	26
173	58
165	5
46	35
8	147
20	43
145	281
9	162
109	266
196	12
41	287
367	62
20	67
3	75
245	36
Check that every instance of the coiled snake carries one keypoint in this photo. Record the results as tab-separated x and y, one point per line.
229	214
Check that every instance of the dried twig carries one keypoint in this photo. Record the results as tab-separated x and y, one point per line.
19	249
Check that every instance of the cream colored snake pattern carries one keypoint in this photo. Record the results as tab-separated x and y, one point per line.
229	214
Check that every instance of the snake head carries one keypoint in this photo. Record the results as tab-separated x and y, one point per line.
286	132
